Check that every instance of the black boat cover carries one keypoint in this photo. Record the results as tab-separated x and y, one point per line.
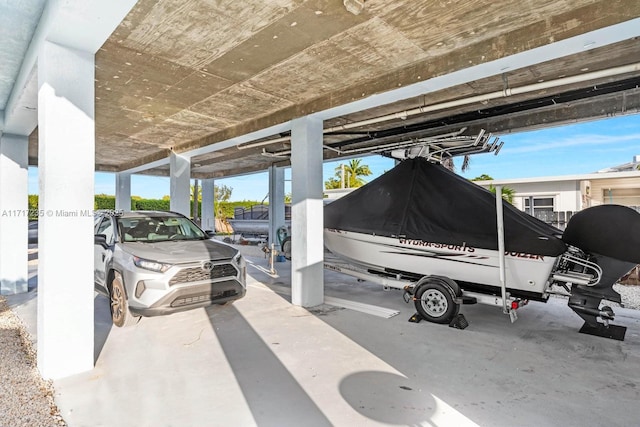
610	230
422	201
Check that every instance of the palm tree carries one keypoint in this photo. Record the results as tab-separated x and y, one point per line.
349	175
221	194
483	177
448	163
507	192
353	171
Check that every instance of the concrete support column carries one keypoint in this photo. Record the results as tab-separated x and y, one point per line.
307	243
66	161
13	214
276	203
123	191
208	221
180	179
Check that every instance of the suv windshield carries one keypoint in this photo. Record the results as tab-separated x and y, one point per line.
158	228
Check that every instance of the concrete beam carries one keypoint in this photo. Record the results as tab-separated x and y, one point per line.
79	24
150	165
21	114
546	52
307	242
369	95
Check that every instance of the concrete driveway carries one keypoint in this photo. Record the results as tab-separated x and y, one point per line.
262	361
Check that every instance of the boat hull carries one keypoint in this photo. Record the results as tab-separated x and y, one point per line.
253	226
528	273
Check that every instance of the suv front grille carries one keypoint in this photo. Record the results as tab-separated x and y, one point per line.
197	274
197	299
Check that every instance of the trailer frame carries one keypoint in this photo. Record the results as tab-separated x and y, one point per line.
409	286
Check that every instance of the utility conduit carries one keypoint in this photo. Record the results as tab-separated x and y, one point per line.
493	95
393	145
630	68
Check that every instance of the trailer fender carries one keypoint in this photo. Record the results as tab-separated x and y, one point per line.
457	292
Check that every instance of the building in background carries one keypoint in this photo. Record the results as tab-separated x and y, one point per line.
554	199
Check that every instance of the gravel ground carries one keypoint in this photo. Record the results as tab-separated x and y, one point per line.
630	296
25	398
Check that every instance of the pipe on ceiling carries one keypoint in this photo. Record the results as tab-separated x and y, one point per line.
492	95
403	115
389	146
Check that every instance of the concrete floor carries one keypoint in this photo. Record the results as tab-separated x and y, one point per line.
262	361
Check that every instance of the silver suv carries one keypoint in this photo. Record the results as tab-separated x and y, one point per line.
154	263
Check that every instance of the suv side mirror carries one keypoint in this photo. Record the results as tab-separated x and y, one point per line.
100	239
210	233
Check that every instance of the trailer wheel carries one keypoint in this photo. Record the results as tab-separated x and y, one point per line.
435	301
286	248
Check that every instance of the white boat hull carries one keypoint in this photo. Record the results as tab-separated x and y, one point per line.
525	272
253	226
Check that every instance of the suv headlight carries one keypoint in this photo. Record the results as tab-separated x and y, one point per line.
151	265
242	265
239	259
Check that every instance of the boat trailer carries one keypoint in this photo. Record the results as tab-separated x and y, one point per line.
436	298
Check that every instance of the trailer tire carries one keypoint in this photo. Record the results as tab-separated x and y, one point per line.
435	301
286	248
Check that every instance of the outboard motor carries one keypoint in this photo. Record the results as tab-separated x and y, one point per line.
609	237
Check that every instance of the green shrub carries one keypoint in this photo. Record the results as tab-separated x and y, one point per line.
103	201
151	205
33	206
226	209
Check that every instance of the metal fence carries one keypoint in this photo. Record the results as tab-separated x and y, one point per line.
560	219
557	219
258	212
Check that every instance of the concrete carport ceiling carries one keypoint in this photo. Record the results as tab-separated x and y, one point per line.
184	74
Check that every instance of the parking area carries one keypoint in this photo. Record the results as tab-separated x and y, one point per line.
262	361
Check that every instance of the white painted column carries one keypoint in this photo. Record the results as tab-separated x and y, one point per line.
13	214
208	221
123	191
276	203
307	243
66	160
180	179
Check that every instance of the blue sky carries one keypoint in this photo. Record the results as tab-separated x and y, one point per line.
566	150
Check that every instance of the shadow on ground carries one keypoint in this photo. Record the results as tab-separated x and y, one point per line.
273	395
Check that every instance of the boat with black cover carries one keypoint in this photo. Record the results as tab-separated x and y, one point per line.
421	221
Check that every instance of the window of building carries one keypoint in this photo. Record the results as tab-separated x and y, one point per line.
540	207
